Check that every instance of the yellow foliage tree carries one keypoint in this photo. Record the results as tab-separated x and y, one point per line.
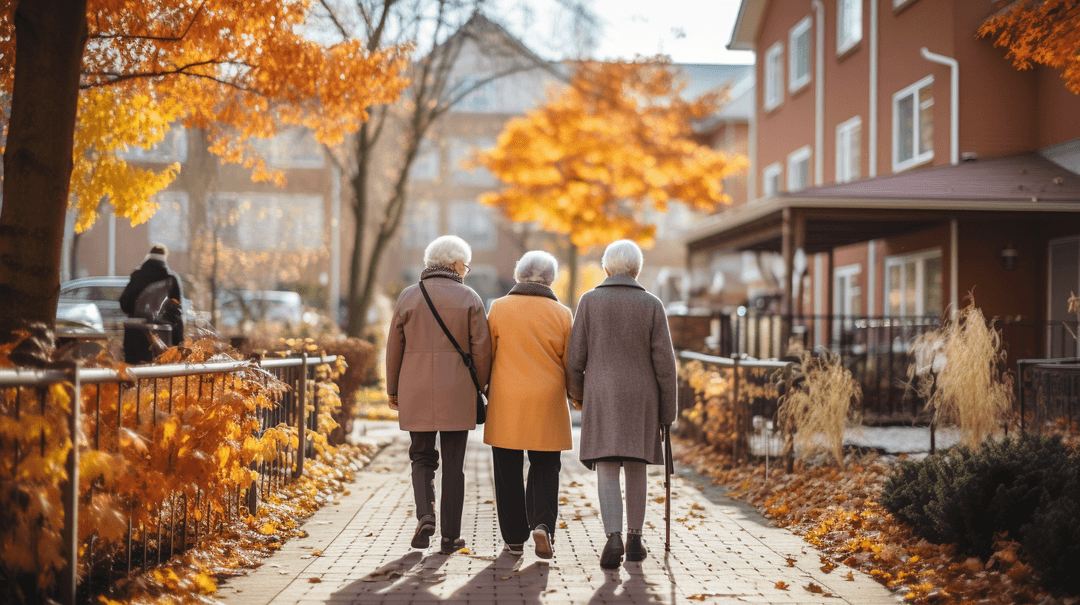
90	78
617	138
1046	32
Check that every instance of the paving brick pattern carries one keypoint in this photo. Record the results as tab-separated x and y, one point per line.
722	551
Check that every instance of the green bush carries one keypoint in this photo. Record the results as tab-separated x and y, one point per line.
1027	487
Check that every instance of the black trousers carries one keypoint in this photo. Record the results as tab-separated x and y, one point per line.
522	506
425	461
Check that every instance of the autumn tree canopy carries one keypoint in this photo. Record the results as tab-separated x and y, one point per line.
123	71
617	138
1044	32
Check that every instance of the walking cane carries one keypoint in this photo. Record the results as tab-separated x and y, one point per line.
669	468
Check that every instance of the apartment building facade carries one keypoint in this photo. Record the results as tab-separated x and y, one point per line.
900	162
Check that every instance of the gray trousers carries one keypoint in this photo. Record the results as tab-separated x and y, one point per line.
425	461
611	498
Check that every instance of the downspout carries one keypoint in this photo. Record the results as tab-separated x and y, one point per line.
954	268
751	140
954	101
819	94
872	133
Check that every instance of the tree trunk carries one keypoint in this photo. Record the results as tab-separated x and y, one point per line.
357	310
50	36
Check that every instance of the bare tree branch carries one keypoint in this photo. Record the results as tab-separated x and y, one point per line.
187	29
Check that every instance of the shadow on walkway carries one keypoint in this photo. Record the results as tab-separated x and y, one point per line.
416	578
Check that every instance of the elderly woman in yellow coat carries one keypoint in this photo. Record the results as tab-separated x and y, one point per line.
527	403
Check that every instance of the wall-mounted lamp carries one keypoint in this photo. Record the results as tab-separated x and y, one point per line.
1010	257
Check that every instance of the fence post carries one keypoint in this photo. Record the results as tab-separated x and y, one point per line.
1020	395
789	434
739	448
301	418
70	493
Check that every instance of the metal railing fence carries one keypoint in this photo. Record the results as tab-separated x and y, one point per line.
1048	390
744	403
109	411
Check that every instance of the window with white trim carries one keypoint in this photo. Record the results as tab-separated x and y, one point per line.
771	179
799	55
847	298
847	150
848	24
421	225
913	284
798	169
473	223
169	225
774	75
913	125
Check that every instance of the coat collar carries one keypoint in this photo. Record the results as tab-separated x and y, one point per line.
534	289
620	280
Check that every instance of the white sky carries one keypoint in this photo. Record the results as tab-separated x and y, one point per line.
649	27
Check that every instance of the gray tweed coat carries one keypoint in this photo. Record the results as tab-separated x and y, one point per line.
622	368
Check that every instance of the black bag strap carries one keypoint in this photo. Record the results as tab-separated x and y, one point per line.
465	357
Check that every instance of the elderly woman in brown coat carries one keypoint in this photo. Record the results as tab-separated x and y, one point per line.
431	387
527	411
623	374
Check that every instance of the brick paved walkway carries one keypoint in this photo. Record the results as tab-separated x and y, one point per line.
722	551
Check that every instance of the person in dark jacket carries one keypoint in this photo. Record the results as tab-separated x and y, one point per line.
154	269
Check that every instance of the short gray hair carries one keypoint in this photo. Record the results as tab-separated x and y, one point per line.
447	250
623	258
536	266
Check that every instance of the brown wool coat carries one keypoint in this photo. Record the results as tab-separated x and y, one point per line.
432	384
527	407
622	368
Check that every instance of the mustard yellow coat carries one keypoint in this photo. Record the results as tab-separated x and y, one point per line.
527	406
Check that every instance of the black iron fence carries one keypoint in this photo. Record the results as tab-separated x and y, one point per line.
1049	394
108	411
876	349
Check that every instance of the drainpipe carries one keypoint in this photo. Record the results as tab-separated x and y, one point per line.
954	267
872	132
819	94
954	104
751	140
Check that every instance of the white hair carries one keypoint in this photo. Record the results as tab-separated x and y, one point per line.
447	250
623	258
536	266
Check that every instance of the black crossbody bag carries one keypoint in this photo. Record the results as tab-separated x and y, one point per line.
481	401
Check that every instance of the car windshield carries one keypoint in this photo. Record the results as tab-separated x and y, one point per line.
94	293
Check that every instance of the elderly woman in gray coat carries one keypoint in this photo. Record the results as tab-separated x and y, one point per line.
623	375
431	387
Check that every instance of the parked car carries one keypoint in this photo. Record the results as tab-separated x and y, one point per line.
240	311
104	292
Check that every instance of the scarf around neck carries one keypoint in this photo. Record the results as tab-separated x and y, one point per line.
534	289
442	271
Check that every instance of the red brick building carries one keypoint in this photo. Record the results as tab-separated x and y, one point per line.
899	162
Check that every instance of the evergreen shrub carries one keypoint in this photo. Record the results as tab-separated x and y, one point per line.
1028	487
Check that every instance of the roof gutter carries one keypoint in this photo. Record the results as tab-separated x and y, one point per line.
954	101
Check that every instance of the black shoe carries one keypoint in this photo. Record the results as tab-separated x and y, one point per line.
451	546
635	547
611	558
425	528
542	537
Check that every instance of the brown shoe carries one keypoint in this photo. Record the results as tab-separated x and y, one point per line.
450	546
635	547
611	558
542	538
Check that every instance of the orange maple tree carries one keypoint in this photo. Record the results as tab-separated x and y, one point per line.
88	78
1044	32
617	138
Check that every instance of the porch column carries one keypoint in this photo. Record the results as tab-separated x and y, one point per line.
792	234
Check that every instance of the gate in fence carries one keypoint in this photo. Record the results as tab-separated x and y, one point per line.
115	415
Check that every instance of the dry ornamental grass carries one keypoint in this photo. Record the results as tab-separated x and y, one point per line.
821	405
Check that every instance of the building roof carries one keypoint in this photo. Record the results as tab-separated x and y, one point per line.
1026	177
1025	183
702	78
747	25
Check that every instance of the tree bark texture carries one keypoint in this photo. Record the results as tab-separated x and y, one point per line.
50	36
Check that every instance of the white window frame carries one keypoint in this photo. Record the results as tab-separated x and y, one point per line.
802	154
844	170
917	158
920	259
897	4
795	81
774	82
841	299
846	43
771	172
